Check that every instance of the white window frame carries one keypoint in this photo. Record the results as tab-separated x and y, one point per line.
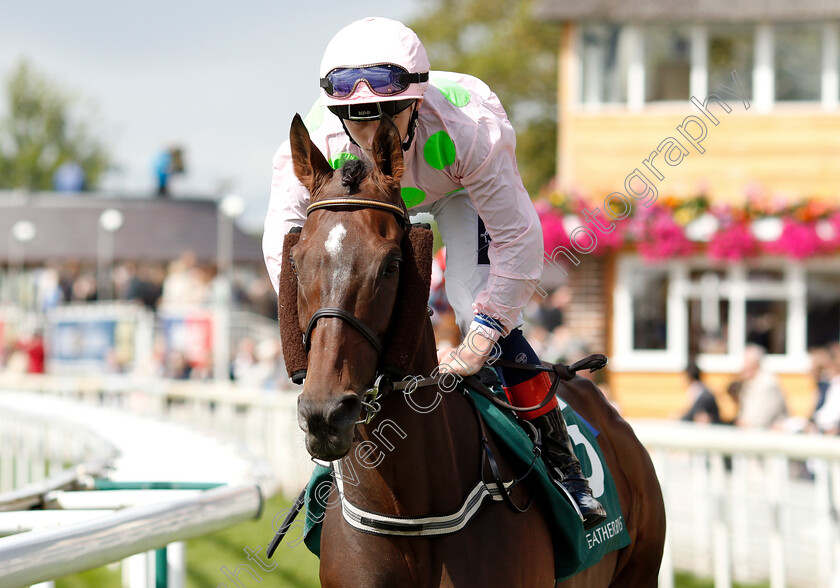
763	74
737	290
830	82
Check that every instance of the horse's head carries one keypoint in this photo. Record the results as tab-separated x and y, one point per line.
347	261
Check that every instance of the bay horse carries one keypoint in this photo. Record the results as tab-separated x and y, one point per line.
347	266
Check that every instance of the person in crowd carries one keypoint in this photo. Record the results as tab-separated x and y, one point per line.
826	418
703	407
761	400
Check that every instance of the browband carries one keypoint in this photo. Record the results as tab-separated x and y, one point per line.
401	213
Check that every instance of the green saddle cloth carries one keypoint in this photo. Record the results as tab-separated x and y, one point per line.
574	549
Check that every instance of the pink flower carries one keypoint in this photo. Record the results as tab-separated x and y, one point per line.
731	242
662	237
798	240
554	234
612	241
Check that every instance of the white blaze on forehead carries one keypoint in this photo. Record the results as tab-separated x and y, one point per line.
334	239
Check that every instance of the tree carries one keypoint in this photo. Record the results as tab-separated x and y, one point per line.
43	129
500	42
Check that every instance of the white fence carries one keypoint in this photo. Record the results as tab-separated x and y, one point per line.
36	450
748	506
41	556
264	422
52	522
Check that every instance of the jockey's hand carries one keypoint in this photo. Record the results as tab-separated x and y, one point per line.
468	357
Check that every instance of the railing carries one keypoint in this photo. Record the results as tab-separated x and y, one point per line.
746	505
55	522
30	558
38	453
265	422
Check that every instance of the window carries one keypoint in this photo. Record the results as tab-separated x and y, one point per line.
731	47
649	291
823	308
766	324
708	312
664	313
798	57
604	53
667	63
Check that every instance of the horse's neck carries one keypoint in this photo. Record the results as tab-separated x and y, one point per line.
420	454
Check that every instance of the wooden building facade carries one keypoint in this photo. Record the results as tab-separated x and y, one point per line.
736	101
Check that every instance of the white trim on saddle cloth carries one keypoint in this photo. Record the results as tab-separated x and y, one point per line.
380	524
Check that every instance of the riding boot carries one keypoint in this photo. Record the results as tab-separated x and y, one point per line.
557	448
564	467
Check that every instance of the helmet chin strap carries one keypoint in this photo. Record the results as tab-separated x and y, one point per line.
412	124
409	136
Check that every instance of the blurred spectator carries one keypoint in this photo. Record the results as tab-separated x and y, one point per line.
733	391
177	367
84	288
703	407
821	371
167	163
761	400
29	353
69	177
552	311
244	361
826	418
185	283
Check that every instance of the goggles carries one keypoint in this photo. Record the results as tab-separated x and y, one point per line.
384	79
370	111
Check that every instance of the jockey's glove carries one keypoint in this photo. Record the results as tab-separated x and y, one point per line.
472	353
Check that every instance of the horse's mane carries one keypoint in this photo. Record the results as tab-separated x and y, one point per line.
352	173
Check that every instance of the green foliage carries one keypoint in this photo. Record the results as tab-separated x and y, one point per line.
43	128
500	42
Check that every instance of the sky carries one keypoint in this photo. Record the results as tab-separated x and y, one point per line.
221	79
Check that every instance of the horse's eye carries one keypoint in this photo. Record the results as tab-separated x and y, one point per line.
392	267
293	264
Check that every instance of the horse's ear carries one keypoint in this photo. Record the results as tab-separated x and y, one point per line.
309	163
387	151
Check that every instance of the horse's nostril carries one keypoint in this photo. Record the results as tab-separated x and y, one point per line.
345	412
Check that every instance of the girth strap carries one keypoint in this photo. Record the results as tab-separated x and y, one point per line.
382	524
335	312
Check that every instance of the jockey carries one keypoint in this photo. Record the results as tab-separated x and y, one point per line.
460	166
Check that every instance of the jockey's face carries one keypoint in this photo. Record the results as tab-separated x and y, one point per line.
362	132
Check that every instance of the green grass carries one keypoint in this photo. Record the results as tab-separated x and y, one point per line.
683	580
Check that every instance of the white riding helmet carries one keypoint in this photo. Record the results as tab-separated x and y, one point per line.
374	60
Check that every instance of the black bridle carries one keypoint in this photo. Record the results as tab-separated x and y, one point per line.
401	214
335	312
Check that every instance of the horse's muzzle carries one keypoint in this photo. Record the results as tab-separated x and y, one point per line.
329	425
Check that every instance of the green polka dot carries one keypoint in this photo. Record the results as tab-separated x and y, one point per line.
340	159
412	196
439	150
452	91
314	117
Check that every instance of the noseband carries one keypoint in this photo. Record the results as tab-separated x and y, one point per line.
335	312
